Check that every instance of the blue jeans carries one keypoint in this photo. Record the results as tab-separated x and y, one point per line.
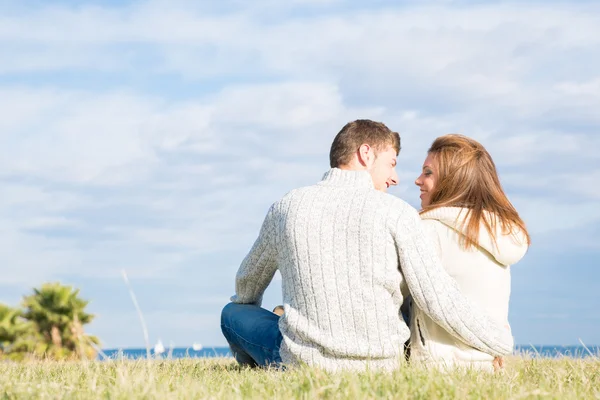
253	334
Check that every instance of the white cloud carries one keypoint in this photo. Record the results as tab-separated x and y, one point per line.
544	216
588	88
187	168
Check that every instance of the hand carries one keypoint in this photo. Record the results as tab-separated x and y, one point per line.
498	363
278	310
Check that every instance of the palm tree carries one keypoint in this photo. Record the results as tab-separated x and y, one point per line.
8	325
58	313
18	336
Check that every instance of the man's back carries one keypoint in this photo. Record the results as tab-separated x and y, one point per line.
339	267
338	245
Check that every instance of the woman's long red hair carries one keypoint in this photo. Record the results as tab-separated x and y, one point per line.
467	177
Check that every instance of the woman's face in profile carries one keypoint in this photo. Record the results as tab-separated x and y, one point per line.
426	181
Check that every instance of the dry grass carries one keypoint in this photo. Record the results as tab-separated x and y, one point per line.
221	378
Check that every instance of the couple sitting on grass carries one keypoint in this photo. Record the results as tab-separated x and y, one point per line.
350	256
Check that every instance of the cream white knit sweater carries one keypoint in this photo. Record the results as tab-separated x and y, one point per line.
348	255
483	275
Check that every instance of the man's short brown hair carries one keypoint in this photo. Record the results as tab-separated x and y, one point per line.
356	133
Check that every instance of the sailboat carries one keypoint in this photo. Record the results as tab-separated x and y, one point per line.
197	346
159	348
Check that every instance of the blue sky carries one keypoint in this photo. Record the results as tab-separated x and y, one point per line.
152	136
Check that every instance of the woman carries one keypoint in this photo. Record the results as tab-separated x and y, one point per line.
478	235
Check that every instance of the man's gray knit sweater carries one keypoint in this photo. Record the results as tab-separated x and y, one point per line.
346	254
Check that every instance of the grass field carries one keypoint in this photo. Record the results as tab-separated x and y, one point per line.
221	378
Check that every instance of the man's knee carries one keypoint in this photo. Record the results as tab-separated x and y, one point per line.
227	313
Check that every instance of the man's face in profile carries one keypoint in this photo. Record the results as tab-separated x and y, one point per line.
383	169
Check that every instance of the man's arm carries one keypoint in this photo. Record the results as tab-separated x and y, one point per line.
258	267
437	293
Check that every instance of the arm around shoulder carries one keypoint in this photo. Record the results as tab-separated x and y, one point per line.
431	230
435	292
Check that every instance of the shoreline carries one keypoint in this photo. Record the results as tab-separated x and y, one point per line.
537	351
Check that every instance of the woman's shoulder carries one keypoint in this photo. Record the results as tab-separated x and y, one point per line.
443	219
435	232
446	215
433	225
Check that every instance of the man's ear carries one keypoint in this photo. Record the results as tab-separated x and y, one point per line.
366	155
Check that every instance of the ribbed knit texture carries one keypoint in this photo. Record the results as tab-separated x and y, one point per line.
338	246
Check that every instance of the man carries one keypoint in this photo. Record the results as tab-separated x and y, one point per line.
348	254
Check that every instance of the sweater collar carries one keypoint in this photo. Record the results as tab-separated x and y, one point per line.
343	177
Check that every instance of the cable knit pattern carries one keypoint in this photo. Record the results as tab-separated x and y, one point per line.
338	246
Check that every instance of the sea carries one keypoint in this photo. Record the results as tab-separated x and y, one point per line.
212	352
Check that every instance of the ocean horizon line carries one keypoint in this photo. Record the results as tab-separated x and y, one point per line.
546	351
225	346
